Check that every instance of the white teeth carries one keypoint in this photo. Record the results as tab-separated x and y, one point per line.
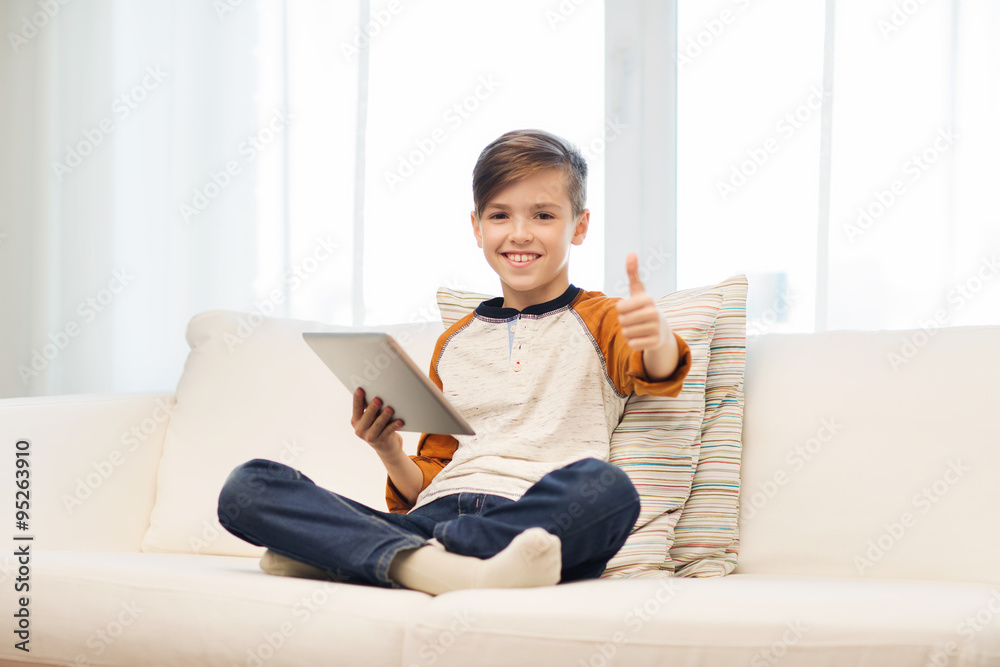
520	258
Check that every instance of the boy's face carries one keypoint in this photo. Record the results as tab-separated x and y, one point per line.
525	232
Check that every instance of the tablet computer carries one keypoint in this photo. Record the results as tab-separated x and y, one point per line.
375	362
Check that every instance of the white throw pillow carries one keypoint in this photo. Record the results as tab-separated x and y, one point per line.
252	388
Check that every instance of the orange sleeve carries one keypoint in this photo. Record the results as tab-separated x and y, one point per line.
625	366
670	386
434	451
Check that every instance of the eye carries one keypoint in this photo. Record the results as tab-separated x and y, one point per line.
546	216
499	215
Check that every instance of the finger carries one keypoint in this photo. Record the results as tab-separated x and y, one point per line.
640	331
632	267
645	333
393	426
383	418
645	343
637	322
383	427
635	303
645	313
366	420
359	404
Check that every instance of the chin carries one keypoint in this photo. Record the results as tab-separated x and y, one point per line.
524	287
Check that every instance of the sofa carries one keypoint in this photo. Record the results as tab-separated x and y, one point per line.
859	506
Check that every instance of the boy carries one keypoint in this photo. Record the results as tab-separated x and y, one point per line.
541	373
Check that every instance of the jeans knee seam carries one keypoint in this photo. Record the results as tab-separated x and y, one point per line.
395	529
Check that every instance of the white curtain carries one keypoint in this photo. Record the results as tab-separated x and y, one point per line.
142	180
160	159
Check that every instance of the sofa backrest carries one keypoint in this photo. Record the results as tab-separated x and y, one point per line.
92	461
872	454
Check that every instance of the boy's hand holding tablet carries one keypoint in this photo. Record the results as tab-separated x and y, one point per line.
373	424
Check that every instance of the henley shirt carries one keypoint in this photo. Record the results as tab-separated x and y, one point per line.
542	387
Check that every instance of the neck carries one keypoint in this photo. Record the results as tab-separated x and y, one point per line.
520	300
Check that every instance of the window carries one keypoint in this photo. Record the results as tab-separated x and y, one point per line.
907	238
439	82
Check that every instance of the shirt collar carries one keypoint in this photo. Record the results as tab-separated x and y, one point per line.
493	308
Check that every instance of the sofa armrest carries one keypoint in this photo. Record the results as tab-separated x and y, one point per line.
92	460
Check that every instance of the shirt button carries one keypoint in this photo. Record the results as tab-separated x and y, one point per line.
517	366
513	328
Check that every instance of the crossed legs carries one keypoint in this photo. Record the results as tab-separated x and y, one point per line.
565	527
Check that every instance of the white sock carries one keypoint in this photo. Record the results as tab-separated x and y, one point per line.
275	563
533	558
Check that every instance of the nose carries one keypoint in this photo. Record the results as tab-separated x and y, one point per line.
521	230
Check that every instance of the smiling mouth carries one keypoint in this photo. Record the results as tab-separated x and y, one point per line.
520	258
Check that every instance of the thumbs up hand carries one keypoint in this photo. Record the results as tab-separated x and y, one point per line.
645	328
641	322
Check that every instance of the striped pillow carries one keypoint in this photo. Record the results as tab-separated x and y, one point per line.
456	304
656	442
706	538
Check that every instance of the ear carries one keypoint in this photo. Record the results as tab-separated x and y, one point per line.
476	230
582	224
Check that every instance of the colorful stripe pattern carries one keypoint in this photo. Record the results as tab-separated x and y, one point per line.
706	537
456	304
657	441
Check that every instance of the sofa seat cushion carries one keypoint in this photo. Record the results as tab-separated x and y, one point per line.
751	620
184	609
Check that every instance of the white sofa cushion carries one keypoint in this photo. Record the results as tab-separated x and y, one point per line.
176	609
252	388
756	620
132	609
873	454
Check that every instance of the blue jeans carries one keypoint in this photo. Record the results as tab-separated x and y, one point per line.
589	504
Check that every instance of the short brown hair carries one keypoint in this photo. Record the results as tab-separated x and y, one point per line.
518	154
